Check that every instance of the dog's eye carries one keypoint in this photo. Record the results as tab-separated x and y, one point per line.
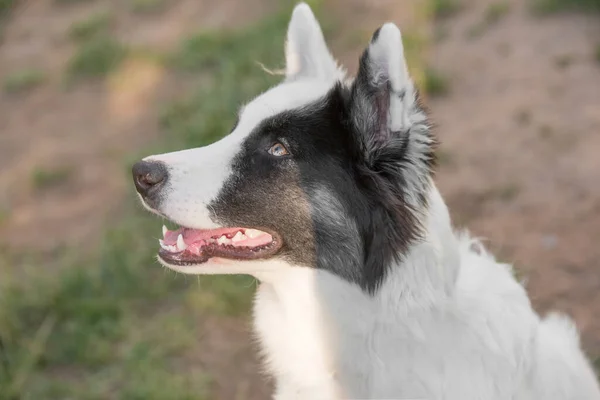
278	150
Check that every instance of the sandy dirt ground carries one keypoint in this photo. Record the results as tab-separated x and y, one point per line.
520	134
519	130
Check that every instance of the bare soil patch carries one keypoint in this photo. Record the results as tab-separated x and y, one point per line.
519	132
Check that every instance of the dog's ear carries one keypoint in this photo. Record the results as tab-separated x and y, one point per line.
306	52
391	127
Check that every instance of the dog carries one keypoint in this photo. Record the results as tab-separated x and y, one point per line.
323	191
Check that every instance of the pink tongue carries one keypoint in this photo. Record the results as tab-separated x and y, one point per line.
193	235
170	237
196	238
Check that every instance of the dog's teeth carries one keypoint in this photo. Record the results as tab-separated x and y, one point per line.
238	237
222	240
165	230
162	244
252	233
181	243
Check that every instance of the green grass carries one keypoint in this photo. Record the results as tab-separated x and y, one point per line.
114	324
232	60
552	6
493	14
6	6
23	80
86	29
496	11
4	214
69	2
475	31
508	192
504	193
148	6
435	84
101	320
564	61
42	178
545	132
96	57
445	158
440	34
442	9
523	117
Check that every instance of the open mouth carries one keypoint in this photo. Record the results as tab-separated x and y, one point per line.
186	246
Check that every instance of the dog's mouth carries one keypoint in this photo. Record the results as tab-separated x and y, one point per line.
186	246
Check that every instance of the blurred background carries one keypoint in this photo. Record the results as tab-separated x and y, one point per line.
89	86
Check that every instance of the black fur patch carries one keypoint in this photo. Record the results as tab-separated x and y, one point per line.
336	206
375	35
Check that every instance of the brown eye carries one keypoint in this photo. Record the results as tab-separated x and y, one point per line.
278	150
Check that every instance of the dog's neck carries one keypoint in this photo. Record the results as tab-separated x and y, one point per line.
303	314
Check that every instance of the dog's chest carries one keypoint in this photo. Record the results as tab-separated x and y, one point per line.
300	340
328	342
292	338
324	340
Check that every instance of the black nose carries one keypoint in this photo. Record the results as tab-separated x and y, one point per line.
149	176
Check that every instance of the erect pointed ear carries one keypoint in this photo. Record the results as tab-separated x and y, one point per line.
306	52
392	128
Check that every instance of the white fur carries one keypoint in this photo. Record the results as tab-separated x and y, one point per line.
306	52
387	52
449	322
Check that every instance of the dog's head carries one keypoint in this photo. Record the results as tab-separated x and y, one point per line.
317	172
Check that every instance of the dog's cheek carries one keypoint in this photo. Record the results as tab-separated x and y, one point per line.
276	203
337	237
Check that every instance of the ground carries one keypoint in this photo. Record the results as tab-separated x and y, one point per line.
519	132
515	97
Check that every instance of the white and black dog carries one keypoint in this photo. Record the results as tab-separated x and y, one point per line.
323	191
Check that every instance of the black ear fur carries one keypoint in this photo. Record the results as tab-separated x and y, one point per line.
397	152
371	103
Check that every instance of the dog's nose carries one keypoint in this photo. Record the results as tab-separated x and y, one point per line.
149	176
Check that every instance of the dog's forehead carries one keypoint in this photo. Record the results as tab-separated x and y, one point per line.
284	97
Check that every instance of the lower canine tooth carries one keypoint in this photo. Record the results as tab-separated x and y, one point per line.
181	243
164	230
